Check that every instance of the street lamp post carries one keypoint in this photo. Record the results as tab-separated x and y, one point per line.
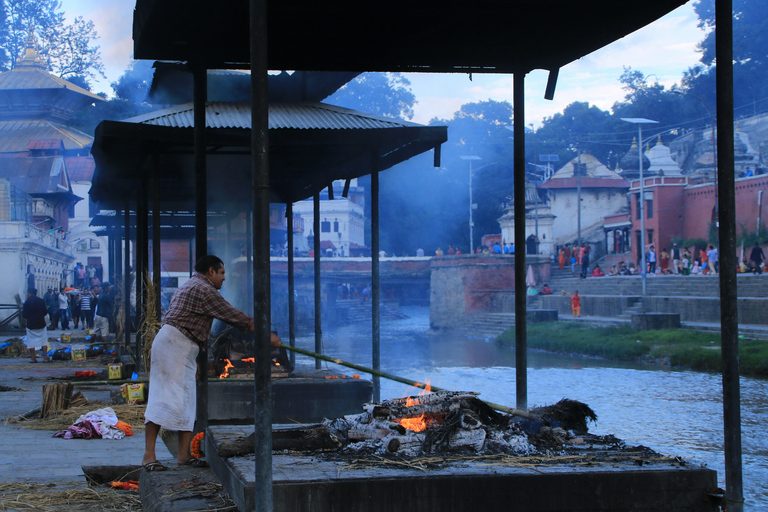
471	204
640	121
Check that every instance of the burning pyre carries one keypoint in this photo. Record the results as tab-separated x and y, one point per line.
231	352
442	422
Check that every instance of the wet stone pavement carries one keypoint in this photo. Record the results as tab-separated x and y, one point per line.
34	455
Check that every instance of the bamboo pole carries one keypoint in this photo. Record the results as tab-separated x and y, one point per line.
403	380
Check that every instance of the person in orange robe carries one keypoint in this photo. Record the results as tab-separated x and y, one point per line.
576	304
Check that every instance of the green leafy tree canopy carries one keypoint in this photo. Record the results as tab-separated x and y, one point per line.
383	94
68	48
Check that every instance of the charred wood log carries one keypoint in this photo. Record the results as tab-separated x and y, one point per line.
472	440
312	438
300	439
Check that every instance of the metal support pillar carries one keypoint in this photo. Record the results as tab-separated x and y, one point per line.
318	290
156	238
127	264
142	263
291	283
249	253
118	273
261	264
199	95
734	492
375	277
111	247
521	338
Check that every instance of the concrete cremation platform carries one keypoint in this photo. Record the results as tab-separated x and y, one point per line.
305	397
317	484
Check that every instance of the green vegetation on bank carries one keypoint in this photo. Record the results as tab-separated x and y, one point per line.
697	350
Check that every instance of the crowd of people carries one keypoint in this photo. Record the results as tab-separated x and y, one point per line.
91	307
675	262
576	256
496	248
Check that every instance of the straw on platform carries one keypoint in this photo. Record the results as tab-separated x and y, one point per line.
132	414
49	497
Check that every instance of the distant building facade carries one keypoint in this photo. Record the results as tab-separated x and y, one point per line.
37	197
342	220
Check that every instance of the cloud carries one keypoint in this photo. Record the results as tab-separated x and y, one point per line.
113	20
663	49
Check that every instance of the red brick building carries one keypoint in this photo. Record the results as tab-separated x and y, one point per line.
676	210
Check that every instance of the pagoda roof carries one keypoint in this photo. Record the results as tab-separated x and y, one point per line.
29	91
16	134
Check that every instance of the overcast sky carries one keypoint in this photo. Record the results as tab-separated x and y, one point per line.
663	49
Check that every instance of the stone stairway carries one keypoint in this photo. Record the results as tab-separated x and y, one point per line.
356	311
487	326
634	309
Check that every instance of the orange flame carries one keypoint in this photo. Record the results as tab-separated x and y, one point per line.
249	360
225	373
416	424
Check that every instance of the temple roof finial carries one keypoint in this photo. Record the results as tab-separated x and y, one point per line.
31	55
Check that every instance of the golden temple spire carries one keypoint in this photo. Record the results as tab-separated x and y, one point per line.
31	55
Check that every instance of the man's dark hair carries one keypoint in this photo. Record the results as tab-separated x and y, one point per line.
208	261
32	291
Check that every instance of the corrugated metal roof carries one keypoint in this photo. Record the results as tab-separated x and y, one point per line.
300	116
16	134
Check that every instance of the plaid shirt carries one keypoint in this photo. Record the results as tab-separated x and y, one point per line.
195	305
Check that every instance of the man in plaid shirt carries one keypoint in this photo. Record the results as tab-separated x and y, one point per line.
185	331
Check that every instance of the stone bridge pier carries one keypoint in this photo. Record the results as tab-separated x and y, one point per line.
464	286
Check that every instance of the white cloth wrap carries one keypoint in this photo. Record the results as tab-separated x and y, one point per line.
36	338
172	393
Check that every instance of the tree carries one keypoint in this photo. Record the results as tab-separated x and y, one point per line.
653	101
580	125
68	49
383	94
750	66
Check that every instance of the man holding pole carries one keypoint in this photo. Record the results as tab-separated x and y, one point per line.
186	328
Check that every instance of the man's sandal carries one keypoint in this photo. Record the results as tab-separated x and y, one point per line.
154	466
194	462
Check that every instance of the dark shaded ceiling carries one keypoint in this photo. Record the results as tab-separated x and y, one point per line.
489	36
172	84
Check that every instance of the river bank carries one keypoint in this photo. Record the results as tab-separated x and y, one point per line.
679	348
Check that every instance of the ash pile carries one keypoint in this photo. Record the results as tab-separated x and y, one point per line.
446	421
451	424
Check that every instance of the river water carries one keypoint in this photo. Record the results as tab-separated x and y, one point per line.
675	412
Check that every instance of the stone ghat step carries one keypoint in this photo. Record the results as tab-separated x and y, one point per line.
658	285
